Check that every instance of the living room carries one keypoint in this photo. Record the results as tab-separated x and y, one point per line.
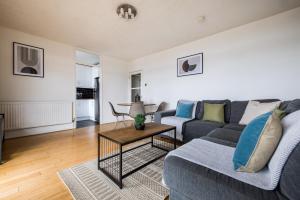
180	53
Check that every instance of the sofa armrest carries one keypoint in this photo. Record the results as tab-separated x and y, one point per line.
193	181
159	115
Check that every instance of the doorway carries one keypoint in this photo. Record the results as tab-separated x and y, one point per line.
87	106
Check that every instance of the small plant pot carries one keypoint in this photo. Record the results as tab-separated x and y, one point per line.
139	126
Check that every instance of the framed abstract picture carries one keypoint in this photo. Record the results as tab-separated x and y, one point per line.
190	65
28	60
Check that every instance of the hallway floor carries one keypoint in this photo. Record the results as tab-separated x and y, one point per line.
86	123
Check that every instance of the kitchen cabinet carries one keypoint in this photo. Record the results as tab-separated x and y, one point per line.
84	77
85	109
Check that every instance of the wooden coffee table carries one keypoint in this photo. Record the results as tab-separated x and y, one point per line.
122	152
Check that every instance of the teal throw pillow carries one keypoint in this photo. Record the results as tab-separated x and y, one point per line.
184	110
257	143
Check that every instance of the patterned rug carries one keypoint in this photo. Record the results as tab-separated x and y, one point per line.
86	182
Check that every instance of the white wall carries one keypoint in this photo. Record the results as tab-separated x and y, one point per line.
257	60
57	87
59	82
114	86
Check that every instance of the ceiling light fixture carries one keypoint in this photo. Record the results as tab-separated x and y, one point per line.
126	11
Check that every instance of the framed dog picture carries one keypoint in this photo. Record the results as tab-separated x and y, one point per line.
190	65
28	60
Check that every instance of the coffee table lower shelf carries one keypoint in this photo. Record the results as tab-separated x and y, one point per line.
124	160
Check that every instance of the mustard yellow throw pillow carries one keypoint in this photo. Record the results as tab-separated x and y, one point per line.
214	112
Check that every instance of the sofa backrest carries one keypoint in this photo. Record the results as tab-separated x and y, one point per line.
284	105
238	108
200	108
291	106
235	111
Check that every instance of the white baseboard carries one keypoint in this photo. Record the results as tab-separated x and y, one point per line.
37	130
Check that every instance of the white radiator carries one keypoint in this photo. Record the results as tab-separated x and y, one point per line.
22	115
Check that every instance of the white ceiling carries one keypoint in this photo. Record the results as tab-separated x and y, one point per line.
160	24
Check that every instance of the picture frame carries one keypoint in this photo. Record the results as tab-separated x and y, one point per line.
28	60
190	65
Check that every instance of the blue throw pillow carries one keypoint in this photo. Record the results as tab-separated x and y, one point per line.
257	143
184	110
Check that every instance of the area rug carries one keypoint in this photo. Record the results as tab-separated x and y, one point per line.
86	182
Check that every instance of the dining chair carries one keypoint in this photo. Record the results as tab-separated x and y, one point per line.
161	107
136	108
117	115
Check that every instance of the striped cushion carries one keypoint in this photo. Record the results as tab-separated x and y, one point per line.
257	143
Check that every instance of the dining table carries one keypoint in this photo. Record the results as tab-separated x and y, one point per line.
129	104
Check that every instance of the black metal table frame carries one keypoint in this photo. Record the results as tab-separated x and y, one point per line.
120	154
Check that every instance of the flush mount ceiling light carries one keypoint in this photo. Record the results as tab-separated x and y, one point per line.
126	11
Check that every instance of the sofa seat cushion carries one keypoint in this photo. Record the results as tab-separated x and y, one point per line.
219	141
236	127
198	128
219	158
175	121
194	181
226	135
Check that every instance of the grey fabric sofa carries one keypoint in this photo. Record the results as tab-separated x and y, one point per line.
190	181
170	118
197	128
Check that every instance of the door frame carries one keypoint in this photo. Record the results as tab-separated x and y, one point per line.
100	83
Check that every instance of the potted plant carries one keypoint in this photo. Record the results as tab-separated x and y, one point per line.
139	122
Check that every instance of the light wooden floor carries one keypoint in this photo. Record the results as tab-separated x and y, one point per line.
32	163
